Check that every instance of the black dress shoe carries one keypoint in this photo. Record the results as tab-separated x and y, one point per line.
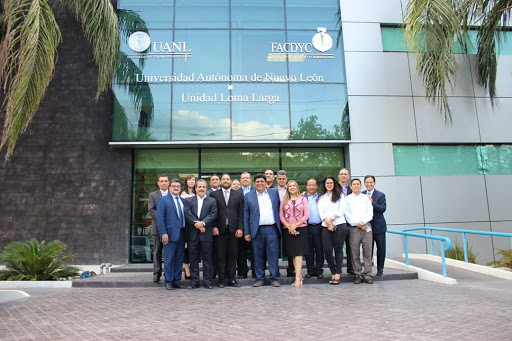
380	273
169	287
241	276
193	286
320	276
208	286
156	278
221	285
177	286
233	283
308	276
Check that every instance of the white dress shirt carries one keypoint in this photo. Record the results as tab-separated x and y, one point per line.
199	205
328	209
359	208
265	205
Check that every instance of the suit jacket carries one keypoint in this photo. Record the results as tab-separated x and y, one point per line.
234	211
167	218
379	207
152	206
208	215
252	211
349	190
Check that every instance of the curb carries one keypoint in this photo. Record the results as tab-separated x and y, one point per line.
35	284
423	274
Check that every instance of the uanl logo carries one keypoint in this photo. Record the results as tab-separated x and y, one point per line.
299	51
141	42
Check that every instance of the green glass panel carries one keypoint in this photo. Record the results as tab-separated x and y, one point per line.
506	43
499	159
167	159
393	39
436	160
236	161
147	13
304	163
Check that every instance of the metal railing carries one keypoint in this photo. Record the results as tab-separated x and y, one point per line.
464	232
442	241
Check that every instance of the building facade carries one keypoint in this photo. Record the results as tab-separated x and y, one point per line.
216	86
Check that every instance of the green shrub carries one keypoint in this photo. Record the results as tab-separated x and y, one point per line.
457	253
506	261
36	261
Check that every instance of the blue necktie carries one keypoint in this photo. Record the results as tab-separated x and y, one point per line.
180	215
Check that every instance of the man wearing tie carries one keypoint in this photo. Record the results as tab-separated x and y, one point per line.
200	213
171	223
244	248
154	197
263	227
379	228
228	226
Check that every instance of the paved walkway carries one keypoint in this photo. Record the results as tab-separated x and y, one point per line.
478	308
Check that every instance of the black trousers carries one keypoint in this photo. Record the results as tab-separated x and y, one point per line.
380	241
350	267
227	254
157	255
200	250
315	258
333	241
244	253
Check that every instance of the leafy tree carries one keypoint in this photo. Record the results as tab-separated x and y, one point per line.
432	29
28	53
36	261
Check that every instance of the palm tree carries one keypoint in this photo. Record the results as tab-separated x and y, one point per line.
433	27
28	53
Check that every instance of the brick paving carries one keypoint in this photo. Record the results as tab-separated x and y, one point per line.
478	308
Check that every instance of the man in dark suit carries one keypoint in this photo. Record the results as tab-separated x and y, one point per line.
200	213
343	179
379	227
171	226
244	247
228	226
262	226
163	185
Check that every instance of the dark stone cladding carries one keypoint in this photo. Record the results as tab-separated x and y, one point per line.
64	181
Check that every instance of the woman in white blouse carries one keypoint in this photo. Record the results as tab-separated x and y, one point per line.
331	206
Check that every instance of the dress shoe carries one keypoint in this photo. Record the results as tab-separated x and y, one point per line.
320	276
221	284
308	276
241	276
156	278
193	286
358	280
258	284
208	286
368	280
169	287
380	273
177	286
233	283
275	284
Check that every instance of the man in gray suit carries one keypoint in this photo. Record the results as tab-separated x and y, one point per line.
163	185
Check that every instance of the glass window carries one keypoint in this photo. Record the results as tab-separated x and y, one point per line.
141	112
210	52
236	161
319	112
307	14
321	70
393	39
250	53
257	14
260	112
135	64
301	164
497	159
152	13
200	112
202	14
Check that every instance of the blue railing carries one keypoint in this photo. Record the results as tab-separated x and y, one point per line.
464	232
442	241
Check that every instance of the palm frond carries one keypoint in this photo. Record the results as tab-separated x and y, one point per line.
430	28
28	54
99	23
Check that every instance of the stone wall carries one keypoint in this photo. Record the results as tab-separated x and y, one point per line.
64	181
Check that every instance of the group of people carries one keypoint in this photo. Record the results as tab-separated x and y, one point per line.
221	225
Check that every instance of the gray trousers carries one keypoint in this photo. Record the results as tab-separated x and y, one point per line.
358	237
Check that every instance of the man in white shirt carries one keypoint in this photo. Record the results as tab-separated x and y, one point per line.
358	214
